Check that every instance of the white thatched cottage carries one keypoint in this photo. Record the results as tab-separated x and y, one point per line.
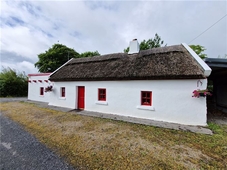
153	84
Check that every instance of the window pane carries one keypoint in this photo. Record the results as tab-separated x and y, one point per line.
146	98
148	94
102	91
41	90
63	92
102	94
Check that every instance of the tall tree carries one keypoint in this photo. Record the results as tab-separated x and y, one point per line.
13	83
199	50
150	43
55	57
89	54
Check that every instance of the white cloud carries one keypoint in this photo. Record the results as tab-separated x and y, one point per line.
23	66
31	27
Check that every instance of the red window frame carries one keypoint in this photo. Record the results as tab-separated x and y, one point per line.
102	94
62	91
146	98
41	92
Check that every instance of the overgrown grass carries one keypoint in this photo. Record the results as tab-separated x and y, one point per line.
95	143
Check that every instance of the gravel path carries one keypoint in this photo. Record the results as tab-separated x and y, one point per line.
22	151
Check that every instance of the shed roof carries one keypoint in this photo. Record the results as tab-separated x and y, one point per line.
219	69
170	62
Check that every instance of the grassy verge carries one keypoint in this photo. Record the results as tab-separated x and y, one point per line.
95	143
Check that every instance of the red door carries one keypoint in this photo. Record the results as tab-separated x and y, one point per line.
81	97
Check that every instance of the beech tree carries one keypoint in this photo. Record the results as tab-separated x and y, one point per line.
150	43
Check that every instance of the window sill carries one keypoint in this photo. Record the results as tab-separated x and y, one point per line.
145	107
62	98
101	102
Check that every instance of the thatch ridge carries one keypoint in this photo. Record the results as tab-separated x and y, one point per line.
172	62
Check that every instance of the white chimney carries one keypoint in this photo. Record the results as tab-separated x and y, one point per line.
134	47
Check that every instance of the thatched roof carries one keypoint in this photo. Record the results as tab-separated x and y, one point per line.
172	62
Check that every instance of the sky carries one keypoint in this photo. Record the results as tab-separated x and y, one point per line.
29	28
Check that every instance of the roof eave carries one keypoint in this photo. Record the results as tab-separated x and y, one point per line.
131	78
60	67
206	68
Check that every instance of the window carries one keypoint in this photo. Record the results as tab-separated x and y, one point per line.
41	92
146	98
102	94
62	91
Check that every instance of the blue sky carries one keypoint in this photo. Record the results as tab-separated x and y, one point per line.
29	28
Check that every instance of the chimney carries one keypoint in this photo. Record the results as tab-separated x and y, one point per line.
134	47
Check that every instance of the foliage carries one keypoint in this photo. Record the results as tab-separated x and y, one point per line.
48	88
203	93
55	57
95	143
215	128
199	50
89	54
150	43
13	83
210	85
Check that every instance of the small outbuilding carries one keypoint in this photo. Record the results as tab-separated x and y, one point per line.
37	84
218	79
155	84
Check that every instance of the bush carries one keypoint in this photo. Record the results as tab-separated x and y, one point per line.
12	83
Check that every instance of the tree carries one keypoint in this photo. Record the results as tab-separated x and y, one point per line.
150	43
199	50
55	57
13	83
89	54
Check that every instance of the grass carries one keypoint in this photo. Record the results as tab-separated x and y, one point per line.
95	143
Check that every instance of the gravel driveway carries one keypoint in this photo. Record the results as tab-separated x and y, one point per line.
22	151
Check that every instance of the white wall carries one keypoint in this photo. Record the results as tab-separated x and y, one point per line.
172	100
69	100
34	88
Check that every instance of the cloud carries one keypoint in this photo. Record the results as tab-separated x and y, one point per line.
23	66
29	28
12	57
